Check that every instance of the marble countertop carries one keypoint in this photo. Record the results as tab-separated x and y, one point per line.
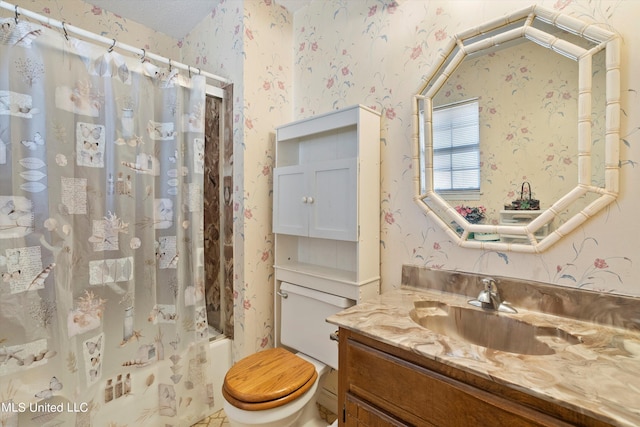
598	377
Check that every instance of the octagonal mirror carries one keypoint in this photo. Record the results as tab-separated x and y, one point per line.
517	130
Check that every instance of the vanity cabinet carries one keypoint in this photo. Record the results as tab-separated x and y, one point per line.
382	385
326	204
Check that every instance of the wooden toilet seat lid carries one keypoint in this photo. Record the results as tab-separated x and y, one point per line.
267	379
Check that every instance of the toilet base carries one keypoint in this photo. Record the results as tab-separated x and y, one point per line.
287	422
307	417
310	417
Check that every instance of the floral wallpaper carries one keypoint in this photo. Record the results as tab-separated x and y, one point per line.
336	53
377	52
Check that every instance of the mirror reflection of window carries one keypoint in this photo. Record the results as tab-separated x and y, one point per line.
456	150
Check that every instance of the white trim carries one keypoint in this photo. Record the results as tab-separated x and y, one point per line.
215	91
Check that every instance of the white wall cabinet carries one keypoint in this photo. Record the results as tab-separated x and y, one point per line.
326	203
326	208
317	200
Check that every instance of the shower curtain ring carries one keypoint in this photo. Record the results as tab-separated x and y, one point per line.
112	46
144	55
169	65
66	35
189	68
17	14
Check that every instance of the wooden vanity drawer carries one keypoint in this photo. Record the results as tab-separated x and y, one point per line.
359	413
404	391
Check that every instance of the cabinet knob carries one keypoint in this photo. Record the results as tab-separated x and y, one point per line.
304	199
309	200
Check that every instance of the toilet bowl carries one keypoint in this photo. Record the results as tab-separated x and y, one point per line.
277	387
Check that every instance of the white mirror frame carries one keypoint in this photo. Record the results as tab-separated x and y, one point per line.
604	40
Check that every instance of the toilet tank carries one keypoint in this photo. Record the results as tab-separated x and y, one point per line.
303	325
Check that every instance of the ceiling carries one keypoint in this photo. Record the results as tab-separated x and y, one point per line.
160	15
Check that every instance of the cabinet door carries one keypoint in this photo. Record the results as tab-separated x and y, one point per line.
290	207
333	210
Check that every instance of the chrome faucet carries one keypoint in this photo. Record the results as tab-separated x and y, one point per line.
489	298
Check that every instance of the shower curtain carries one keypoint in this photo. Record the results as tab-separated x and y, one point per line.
102	313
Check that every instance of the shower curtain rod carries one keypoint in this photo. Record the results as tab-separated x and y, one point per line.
113	43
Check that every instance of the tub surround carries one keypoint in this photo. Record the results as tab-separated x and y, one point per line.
596	377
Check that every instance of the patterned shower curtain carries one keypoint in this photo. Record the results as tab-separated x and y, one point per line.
101	220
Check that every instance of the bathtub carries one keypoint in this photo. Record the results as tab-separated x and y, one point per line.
219	358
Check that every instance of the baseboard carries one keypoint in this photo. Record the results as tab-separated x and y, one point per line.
329	400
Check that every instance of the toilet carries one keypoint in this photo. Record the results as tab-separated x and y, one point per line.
277	387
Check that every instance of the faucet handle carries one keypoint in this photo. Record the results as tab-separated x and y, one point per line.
490	299
489	285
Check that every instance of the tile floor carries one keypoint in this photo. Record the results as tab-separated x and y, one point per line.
219	419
